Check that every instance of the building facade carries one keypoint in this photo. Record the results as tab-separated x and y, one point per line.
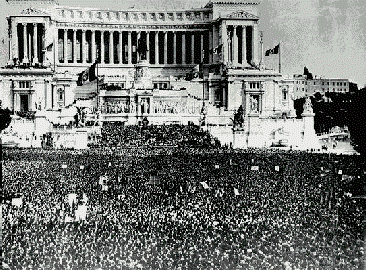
303	86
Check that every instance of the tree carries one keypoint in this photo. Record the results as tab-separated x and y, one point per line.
357	120
5	118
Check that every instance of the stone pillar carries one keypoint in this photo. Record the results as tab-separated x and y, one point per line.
224	37
93	51
129	48
120	54
192	47
235	45
74	46
65	47
148	46
111	54
15	44
102	47
244	47
156	47
138	56
210	46
202	52
83	46
174	47
255	43
165	47
183	48
214	44
35	45
56	46
25	44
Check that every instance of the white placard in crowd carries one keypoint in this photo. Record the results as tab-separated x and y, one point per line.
68	219
104	187
72	198
217	166
255	168
64	166
82	167
236	191
204	184
102	179
80	213
109	164
17	201
85	198
277	168
340	172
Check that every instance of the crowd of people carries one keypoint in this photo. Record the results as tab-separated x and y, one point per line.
116	134
181	209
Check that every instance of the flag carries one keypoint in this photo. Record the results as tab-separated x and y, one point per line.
275	50
236	192
204	184
87	75
217	49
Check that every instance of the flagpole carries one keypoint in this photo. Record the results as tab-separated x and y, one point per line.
279	58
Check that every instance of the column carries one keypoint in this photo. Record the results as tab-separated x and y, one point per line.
244	47
111	54
235	45
210	45
225	47
65	47
156	47
214	44
192	47
74	46
120	48
202	52
138	56
174	47
15	44
148	46
165	47
83	46
93	51
25	44
102	47
255	43
35	45
183	48
129	48
56	46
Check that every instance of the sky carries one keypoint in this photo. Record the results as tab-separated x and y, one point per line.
327	36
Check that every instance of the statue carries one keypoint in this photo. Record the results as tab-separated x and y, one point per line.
238	120
308	108
142	48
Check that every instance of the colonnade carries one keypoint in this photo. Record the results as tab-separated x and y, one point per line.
122	47
27	42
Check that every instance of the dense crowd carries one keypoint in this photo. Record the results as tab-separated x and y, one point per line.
182	209
115	134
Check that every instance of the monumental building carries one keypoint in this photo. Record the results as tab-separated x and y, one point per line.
171	66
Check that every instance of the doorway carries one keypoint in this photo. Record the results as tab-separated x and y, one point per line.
24	103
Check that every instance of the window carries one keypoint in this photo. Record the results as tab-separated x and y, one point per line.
24	84
284	95
60	93
333	84
322	83
345	84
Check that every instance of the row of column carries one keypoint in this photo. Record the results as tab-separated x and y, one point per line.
130	48
235	39
24	42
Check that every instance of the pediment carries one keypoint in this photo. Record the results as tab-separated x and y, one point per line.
242	15
34	12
